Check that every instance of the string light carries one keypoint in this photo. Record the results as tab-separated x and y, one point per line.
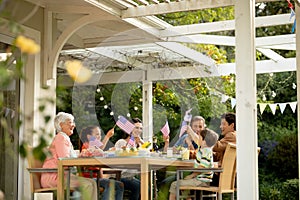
106	105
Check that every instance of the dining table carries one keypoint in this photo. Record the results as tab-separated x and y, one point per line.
144	164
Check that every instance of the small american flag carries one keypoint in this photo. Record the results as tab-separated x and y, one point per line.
131	141
186	120
188	116
93	142
183	128
125	125
165	129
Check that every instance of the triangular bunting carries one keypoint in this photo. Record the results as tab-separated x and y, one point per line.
273	108
262	107
293	106
224	98
282	107
233	102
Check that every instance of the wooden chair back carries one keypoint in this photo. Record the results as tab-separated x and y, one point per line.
35	178
35	167
227	177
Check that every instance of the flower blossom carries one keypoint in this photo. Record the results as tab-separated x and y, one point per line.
78	72
27	45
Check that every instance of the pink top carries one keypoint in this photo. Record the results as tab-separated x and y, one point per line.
60	147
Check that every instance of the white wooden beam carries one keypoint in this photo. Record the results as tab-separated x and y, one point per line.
227	25
58	8
177	6
204	39
115	55
266	66
189	53
105	6
270	54
278	41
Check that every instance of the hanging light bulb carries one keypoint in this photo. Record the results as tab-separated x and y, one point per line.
294	86
273	94
105	106
111	113
101	98
98	90
128	114
264	98
135	108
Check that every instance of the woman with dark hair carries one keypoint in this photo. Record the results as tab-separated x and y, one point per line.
136	134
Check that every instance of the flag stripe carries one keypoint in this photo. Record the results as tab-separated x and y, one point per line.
165	129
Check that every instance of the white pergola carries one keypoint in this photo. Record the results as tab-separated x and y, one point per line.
107	27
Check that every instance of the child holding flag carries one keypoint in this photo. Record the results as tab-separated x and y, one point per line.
133	139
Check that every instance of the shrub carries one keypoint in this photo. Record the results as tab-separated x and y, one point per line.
290	189
283	160
269	191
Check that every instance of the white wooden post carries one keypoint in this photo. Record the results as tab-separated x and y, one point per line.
246	109
147	109
298	79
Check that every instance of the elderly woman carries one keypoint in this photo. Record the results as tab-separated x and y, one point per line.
61	147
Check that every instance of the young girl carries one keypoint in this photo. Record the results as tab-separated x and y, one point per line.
90	137
92	145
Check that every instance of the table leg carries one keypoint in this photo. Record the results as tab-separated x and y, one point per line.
144	181
68	183
177	184
60	182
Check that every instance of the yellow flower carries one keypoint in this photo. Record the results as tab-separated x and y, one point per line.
77	72
146	145
27	45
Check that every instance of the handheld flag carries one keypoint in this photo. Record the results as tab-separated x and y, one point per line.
93	142
188	115
125	125
183	128
165	129
186	120
131	141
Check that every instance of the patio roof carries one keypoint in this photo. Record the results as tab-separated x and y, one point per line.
129	31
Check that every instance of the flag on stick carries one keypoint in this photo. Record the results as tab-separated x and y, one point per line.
188	116
165	129
131	141
125	125
183	128
93	142
186	121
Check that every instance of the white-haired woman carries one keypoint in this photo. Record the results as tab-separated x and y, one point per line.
62	147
